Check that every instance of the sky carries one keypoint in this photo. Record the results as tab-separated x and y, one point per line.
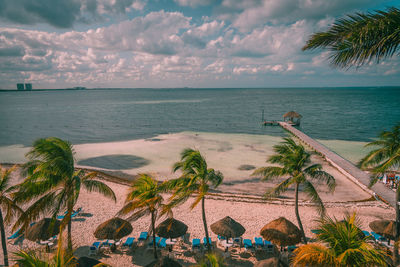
177	43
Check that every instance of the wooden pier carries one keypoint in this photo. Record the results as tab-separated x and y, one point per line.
356	175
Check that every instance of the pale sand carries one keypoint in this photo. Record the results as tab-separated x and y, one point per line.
251	212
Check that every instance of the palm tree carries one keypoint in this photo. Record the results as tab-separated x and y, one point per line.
386	157
53	183
212	260
295	162
340	243
360	38
196	179
7	205
144	198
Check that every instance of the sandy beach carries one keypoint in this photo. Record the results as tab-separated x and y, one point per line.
252	212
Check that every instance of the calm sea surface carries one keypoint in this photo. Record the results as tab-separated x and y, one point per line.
91	116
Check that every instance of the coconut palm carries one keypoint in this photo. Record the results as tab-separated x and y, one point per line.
53	184
196	179
360	38
7	205
340	243
297	170
386	156
144	198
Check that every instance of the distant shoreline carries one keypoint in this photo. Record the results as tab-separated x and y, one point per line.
198	88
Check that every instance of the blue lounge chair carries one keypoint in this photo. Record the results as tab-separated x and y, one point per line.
143	236
247	244
291	248
15	235
316	231
162	243
97	245
196	243
151	241
366	233
74	214
378	237
258	242
205	241
129	242
105	244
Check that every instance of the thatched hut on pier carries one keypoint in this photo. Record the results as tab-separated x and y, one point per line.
292	117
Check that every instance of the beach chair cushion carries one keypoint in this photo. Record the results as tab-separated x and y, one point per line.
378	237
247	243
205	241
366	233
196	243
162	243
258	241
96	244
143	236
151	240
128	242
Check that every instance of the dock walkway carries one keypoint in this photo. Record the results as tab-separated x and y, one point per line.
356	175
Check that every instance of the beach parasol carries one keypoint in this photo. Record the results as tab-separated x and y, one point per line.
281	232
87	262
164	262
228	228
384	227
171	228
115	228
271	262
43	229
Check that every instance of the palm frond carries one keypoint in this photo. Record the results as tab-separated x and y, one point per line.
309	189
99	187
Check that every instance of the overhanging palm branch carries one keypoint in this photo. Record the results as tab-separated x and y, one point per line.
360	38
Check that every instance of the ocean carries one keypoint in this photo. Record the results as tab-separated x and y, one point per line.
341	118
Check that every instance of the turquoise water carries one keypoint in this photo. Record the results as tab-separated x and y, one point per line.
91	116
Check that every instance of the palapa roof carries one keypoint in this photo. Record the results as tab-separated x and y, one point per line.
43	229
171	228
281	232
292	114
383	227
115	228
228	228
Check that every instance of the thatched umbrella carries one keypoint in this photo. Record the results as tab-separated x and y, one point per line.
271	262
384	227
171	228
43	229
292	114
281	232
164	262
115	228
87	262
228	228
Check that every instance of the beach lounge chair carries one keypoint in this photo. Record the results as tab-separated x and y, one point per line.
291	248
220	238
237	242
162	243
143	236
196	243
74	214
315	231
94	248
15	235
128	242
248	245
378	237
269	247
258	242
157	240
205	242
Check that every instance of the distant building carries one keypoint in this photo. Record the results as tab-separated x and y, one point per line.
20	86
28	86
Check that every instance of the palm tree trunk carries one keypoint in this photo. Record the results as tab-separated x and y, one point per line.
203	211
3	240
69	229
396	230
296	210
153	227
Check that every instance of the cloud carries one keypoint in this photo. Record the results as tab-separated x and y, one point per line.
62	13
246	15
194	3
